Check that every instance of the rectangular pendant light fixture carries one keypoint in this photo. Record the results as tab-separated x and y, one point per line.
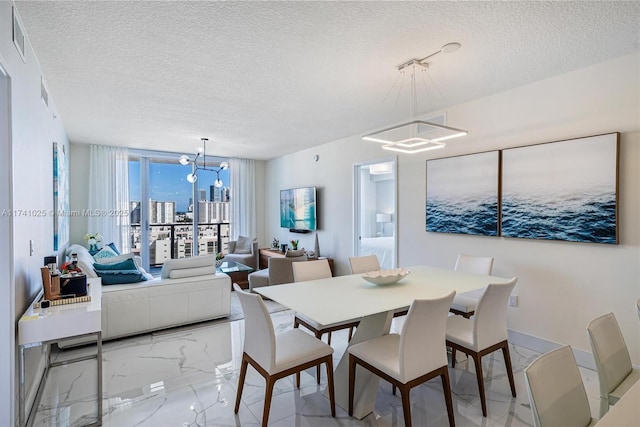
415	136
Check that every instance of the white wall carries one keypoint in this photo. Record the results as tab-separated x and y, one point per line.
33	131
562	285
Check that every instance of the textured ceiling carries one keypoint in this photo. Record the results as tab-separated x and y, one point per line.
262	79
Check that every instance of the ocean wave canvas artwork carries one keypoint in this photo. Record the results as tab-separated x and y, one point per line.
563	190
462	194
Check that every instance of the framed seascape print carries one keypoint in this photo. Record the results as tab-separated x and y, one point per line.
566	190
463	194
60	196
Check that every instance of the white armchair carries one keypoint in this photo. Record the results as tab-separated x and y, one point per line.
240	251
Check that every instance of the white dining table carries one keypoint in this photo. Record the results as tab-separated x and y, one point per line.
626	411
351	297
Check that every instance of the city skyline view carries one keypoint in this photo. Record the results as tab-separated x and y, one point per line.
168	183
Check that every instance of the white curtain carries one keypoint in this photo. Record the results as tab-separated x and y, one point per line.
109	195
243	198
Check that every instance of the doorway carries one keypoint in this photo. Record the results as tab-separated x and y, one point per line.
7	303
375	213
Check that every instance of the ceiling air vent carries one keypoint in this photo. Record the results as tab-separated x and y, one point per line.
18	34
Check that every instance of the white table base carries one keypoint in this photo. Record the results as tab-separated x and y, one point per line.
367	383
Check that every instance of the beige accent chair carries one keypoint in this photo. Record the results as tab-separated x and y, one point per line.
556	391
484	334
276	356
615	373
410	358
465	304
249	259
279	272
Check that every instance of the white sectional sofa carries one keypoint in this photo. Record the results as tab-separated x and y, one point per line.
188	291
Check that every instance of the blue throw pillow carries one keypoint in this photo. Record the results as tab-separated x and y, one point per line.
119	277
114	248
105	252
127	264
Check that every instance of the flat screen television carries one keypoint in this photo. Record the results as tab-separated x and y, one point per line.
298	209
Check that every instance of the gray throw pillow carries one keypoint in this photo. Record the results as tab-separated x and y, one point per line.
243	245
296	253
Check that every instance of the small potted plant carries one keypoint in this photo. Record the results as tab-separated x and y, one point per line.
294	244
219	258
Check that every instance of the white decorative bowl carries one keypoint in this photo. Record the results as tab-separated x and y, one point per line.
385	277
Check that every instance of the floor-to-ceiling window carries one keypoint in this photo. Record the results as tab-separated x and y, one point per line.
162	207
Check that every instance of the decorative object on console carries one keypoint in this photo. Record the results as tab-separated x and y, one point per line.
416	136
275	244
316	248
294	244
94	241
462	194
50	283
71	267
283	247
73	285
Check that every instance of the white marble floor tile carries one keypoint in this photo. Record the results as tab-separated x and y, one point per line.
188	377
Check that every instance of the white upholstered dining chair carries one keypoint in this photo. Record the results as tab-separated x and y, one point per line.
484	334
276	356
556	392
311	270
363	264
410	358
613	363
465	304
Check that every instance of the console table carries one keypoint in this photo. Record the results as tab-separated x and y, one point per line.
266	253
44	326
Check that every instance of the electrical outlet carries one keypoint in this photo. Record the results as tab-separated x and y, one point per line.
513	300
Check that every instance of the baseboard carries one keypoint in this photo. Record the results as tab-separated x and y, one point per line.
542	345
